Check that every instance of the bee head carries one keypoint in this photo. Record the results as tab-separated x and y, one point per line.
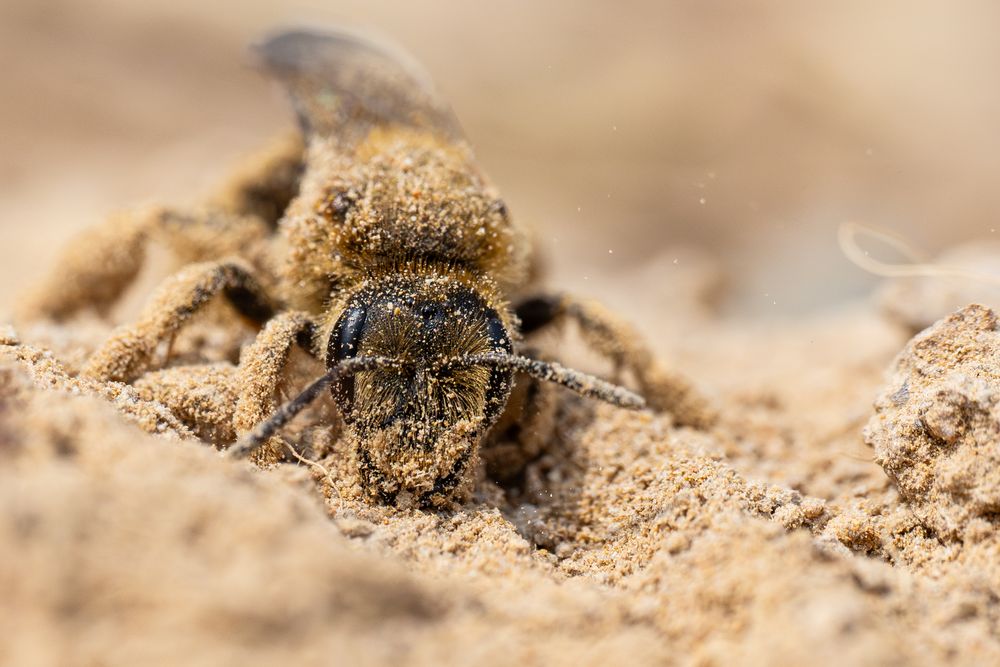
417	421
421	364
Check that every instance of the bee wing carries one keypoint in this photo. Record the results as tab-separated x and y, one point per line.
342	85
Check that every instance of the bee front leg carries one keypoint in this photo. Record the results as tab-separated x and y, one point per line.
221	402
524	431
129	352
620	343
261	368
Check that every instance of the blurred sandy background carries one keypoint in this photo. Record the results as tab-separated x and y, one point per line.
624	132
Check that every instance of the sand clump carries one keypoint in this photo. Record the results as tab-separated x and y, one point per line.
936	430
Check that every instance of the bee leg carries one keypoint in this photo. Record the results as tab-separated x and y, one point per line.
92	270
623	346
260	372
523	432
263	185
128	353
220	402
100	263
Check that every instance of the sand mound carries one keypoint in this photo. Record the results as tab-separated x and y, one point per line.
936	430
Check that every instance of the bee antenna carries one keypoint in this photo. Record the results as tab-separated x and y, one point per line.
287	412
550	371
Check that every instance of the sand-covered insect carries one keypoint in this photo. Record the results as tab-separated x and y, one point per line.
378	246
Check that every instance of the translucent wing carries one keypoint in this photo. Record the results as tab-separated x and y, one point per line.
342	85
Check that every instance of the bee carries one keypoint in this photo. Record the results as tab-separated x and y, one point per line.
400	269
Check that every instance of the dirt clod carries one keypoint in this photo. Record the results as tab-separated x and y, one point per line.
935	430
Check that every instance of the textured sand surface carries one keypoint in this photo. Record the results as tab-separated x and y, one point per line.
771	539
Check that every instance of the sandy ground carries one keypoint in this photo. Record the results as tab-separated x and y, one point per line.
841	511
777	536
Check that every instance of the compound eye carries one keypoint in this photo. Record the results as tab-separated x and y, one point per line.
501	380
344	344
431	313
497	332
347	334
